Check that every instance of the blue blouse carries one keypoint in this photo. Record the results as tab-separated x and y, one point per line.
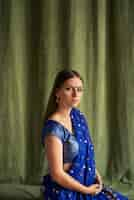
70	144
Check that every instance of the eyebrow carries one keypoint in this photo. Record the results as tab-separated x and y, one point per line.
73	86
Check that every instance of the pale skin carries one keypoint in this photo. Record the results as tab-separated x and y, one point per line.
70	95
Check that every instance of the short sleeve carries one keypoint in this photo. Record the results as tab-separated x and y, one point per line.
52	129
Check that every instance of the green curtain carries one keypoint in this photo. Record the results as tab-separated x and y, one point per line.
39	38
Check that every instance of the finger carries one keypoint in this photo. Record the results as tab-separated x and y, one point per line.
97	192
98	186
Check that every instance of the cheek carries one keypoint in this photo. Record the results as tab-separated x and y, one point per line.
65	95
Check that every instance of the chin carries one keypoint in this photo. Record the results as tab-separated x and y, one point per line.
75	104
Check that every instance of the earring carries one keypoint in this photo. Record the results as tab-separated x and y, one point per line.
57	99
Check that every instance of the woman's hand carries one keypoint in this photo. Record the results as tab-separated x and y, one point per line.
93	189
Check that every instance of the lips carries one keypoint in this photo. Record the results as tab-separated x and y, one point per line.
75	99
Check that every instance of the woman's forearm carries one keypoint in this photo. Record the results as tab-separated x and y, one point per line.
69	182
97	173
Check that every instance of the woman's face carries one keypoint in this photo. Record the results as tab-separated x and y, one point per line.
70	92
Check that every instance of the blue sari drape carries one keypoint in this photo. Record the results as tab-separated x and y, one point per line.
82	169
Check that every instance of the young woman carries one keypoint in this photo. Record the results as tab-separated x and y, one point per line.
70	152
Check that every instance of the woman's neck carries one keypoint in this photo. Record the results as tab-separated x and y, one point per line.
65	112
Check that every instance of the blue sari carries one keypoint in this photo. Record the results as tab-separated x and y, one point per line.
82	169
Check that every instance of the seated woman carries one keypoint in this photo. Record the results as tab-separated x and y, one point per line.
68	146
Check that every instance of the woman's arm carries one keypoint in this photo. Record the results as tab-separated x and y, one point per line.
54	153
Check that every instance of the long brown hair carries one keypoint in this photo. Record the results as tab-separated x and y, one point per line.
59	80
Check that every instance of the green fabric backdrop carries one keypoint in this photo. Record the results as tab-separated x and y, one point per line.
37	39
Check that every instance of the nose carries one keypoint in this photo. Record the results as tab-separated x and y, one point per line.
74	91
